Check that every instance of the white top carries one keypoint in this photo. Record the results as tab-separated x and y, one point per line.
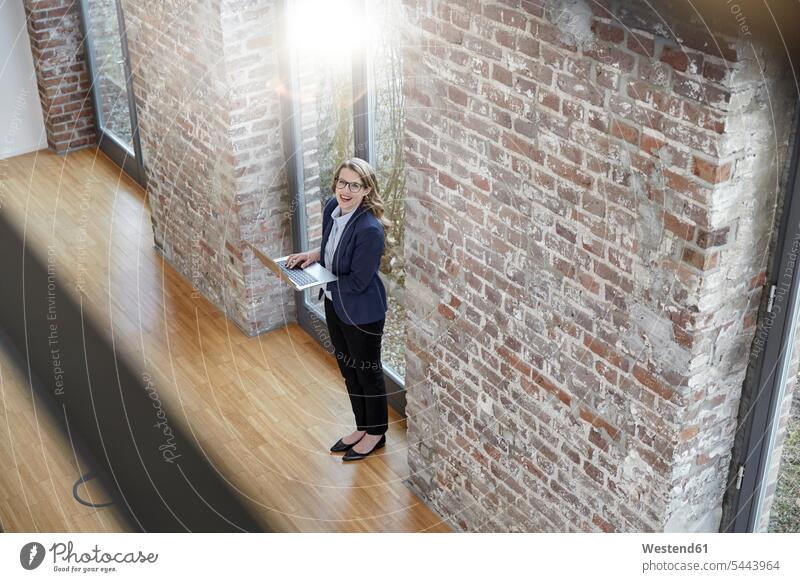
339	223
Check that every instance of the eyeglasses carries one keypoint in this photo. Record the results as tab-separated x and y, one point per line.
355	187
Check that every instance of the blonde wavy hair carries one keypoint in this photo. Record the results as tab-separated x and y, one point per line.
372	200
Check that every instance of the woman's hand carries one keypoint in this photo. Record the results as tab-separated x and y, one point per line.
302	260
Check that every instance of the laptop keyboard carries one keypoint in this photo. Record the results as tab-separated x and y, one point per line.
298	276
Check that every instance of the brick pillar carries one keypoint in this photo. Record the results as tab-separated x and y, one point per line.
591	198
56	41
206	87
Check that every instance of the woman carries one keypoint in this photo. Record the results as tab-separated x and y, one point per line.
355	304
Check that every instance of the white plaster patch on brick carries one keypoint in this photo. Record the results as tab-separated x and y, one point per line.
574	18
635	473
659	336
685	519
518	64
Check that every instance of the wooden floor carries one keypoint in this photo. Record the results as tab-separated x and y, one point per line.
264	409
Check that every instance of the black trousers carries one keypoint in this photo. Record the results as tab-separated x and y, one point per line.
358	353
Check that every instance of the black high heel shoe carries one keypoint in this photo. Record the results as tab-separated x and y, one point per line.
352	455
341	446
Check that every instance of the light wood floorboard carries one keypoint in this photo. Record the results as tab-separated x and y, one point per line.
264	410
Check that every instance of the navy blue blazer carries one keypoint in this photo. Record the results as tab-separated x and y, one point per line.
358	295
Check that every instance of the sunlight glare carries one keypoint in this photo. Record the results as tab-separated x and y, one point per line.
332	29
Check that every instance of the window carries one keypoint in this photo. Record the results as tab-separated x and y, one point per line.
115	113
765	471
345	98
386	146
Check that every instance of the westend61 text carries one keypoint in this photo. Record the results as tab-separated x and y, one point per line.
673	549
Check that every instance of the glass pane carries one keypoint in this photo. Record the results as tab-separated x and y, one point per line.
780	500
384	50
110	82
322	55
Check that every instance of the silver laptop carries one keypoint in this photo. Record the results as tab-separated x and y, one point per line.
300	279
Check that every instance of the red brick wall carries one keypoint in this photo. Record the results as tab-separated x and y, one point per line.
64	85
205	81
592	188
